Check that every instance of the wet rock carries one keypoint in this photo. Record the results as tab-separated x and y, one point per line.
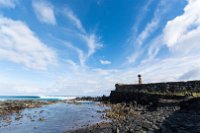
167	118
41	119
8	107
147	126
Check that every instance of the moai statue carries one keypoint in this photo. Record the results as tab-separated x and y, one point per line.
139	79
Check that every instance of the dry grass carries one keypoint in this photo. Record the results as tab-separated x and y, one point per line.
193	94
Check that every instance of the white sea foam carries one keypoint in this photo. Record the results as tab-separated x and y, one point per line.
2	99
58	97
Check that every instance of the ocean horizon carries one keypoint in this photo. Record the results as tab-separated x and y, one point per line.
36	97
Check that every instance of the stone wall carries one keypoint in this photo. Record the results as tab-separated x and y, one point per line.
190	86
144	93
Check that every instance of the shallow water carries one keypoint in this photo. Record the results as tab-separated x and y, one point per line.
54	118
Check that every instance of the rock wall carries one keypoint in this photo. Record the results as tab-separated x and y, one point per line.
138	92
190	86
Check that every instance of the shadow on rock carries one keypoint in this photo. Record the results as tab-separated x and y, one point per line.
185	120
151	101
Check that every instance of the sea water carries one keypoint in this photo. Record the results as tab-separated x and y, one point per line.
56	118
42	97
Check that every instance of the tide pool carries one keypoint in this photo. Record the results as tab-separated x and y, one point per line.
53	118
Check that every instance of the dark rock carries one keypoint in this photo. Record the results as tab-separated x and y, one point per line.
41	119
146	126
190	105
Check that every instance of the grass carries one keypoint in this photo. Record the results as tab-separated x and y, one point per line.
193	94
196	94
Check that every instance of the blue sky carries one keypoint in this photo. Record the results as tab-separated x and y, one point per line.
75	47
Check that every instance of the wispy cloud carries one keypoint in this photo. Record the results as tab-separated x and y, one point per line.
105	62
181	36
180	60
151	27
20	45
154	23
44	11
154	47
90	39
145	9
81	55
8	3
74	19
93	43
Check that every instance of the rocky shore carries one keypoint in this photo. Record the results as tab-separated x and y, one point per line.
95	99
11	108
15	106
167	116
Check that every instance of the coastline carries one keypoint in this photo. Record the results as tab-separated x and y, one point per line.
103	127
169	115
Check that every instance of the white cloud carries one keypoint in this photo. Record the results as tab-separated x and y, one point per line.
105	71
86	81
151	27
81	55
154	47
134	56
70	14
147	31
76	80
25	89
8	3
44	11
142	13
141	38
182	34
105	62
92	41
20	45
101	81
190	74
71	64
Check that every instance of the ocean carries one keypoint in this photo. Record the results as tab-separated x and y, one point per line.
2	98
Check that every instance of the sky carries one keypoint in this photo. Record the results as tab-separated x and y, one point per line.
76	47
